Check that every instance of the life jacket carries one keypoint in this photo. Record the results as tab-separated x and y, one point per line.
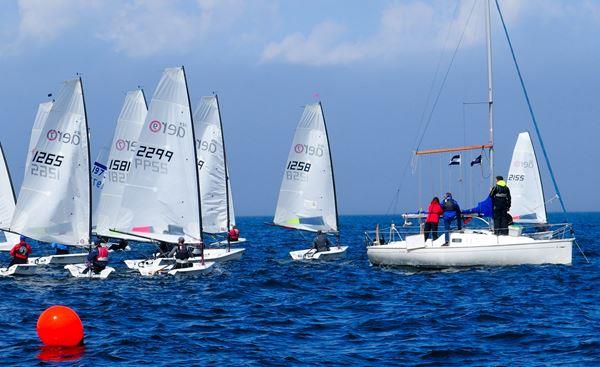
234	234
501	196
21	252
182	252
102	254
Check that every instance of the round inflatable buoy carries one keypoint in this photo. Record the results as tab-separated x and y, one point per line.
60	326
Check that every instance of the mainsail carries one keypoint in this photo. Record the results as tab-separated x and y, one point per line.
54	201
7	205
161	199
307	195
212	168
525	183
123	147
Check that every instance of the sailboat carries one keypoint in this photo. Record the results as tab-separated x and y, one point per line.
307	197
161	197
124	145
7	205
54	204
539	244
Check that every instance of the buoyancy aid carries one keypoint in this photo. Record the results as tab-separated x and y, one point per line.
234	234
182	252
21	250
102	254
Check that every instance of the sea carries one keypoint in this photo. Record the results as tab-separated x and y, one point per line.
267	310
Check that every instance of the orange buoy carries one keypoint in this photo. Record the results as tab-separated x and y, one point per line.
60	326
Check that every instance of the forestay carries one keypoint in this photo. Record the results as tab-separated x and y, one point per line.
307	195
54	201
525	183
123	147
212	167
7	205
160	198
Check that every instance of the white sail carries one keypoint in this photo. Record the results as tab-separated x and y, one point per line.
7	205
160	199
54	201
118	164
525	184
307	194
211	167
38	124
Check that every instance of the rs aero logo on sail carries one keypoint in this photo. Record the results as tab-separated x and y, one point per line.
309	150
167	128
63	137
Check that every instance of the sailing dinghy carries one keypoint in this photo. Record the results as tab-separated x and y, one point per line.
54	203
542	243
161	198
124	145
307	197
7	205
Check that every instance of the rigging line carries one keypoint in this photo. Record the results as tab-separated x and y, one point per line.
445	78
437	69
535	124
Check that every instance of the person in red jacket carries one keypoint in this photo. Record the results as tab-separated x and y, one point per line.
433	219
234	234
20	252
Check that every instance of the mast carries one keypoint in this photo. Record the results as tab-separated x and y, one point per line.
226	172
488	31
144	96
87	137
195	163
337	221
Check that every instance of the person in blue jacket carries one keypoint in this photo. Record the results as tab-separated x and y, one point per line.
60	248
451	212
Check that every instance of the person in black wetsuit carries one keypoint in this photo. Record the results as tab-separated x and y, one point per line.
501	201
182	255
321	242
119	246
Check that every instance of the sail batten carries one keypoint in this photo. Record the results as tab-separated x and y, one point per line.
54	201
307	194
164	165
525	183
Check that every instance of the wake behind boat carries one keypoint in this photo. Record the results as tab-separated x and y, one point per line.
307	197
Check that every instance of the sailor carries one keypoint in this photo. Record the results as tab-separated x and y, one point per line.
234	234
119	246
198	249
321	242
433	219
60	248
451	212
500	195
181	253
97	259
20	252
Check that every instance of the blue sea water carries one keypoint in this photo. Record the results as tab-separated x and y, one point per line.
267	310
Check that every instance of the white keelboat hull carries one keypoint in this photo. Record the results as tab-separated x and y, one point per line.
309	254
472	249
210	255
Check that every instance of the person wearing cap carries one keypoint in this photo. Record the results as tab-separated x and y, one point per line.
20	252
451	212
321	242
501	201
181	253
97	259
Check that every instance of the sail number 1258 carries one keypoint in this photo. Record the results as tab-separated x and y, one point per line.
298	166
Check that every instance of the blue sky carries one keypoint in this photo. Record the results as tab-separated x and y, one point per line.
371	62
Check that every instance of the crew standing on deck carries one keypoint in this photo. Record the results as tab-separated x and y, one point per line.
451	212
433	219
20	252
500	195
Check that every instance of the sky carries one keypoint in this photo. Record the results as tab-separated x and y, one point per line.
372	64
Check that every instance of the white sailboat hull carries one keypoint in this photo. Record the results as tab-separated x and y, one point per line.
224	242
155	269
18	269
309	254
76	271
472	249
65	259
210	255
